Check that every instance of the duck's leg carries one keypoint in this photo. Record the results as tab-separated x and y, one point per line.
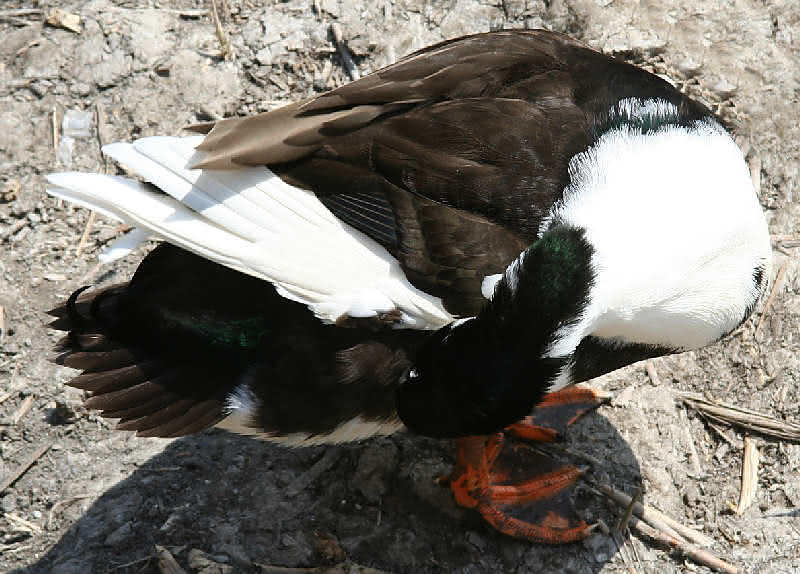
519	490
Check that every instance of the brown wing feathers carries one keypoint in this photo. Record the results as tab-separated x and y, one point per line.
475	131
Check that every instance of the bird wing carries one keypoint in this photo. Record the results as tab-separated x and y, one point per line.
449	158
251	221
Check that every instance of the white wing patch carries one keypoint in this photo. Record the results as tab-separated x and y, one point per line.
248	219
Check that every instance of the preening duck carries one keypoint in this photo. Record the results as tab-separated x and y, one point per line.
446	245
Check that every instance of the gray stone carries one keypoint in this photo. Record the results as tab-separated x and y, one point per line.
119	535
264	56
77	123
148	36
113	68
43	60
375	463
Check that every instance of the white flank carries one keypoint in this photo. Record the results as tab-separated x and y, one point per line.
243	405
250	220
677	231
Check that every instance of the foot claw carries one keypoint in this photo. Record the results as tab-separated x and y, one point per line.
518	490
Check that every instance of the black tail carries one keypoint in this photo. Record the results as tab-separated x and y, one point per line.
164	352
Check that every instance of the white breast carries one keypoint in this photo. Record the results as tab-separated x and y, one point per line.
677	231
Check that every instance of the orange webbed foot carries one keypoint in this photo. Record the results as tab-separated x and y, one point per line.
519	490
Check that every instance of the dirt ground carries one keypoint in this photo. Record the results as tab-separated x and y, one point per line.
100	501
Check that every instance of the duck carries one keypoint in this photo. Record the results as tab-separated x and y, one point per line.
445	247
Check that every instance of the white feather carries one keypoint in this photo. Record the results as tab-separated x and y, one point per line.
677	231
243	406
123	246
250	220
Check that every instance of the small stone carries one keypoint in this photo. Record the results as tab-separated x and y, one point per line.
600	546
119	535
77	124
375	463
476	540
264	56
8	504
691	496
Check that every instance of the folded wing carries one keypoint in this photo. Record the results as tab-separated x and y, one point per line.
250	220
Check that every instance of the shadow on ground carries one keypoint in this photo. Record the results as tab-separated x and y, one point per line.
250	503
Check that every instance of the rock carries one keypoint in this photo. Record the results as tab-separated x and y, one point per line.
8	503
119	535
214	86
43	60
77	123
148	36
601	546
112	69
376	462
691	495
124	507
264	56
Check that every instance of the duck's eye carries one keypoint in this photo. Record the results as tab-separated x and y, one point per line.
413	374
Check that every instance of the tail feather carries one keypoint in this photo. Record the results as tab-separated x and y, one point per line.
152	395
167	357
115	379
252	221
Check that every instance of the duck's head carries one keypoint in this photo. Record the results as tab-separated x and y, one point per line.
478	375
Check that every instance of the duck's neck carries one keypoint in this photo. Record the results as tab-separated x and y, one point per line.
542	294
541	297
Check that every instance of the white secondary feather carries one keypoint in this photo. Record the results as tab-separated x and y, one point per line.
677	231
250	220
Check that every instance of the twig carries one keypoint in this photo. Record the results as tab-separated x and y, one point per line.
19	521
11	231
15	20
626	516
102	138
22	469
86	231
2	324
54	126
749	475
224	42
694	458
12	388
167	563
691	551
23	410
775	286
20	12
745	418
785	237
132	563
657	518
344	54
622	548
304	480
